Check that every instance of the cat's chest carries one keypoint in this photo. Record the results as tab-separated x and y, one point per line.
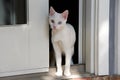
58	36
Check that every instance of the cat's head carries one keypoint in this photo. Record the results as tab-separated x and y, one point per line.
57	20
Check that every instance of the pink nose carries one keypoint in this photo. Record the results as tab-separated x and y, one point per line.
54	27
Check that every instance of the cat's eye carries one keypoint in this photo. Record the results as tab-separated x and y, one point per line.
59	22
52	21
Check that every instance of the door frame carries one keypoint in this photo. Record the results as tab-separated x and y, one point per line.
102	31
117	37
97	34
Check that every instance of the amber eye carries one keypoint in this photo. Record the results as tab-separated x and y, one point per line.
52	21
59	22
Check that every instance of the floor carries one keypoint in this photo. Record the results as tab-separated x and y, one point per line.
78	73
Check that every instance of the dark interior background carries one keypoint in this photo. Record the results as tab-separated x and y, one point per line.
20	7
13	12
73	18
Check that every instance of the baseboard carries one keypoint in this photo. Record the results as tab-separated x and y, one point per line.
21	72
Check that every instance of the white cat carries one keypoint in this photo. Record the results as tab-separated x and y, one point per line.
63	39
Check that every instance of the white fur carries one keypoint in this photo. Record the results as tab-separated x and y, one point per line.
63	39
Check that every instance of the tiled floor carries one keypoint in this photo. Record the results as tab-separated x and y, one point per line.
113	77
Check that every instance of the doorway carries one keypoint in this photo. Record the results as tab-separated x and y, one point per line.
73	19
81	16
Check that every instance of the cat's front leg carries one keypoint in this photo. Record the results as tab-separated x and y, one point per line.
58	64
68	55
58	56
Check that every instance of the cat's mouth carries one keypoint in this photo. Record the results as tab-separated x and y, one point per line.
57	28
54	28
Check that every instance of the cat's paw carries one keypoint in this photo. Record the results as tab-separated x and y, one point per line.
67	73
58	73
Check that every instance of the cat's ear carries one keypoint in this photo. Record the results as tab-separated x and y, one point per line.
65	14
52	11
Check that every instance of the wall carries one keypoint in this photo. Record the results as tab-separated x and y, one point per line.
24	48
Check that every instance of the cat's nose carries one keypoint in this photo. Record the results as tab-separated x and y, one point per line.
54	27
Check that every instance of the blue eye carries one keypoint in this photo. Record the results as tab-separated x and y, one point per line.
52	21
59	22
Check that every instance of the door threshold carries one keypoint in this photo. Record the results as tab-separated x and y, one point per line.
78	71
